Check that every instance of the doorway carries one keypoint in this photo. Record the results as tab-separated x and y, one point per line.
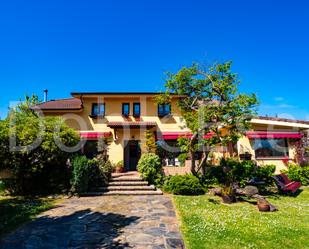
132	154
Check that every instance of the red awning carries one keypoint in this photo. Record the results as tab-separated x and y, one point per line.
269	134
94	135
176	135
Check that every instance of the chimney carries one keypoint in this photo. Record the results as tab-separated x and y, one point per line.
45	95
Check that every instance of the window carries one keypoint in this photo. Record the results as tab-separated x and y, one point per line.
98	109
164	110
125	109
272	148
136	109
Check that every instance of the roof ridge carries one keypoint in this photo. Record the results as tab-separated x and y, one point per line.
283	119
61	99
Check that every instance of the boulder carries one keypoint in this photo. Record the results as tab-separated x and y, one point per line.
247	191
216	191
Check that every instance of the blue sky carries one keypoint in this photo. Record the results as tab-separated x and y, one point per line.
99	45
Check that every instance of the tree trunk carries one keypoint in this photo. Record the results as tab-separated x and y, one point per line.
193	170
203	163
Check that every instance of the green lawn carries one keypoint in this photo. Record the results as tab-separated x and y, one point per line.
15	211
206	223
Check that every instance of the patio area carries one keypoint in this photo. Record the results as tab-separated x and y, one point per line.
102	222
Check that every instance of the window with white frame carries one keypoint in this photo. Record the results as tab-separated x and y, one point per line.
271	148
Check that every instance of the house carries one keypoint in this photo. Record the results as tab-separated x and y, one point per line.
125	117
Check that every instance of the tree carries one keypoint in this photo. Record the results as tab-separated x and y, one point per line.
212	105
40	168
151	145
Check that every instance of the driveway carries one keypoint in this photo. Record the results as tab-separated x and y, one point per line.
102	222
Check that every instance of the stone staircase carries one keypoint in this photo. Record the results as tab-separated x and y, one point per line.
128	183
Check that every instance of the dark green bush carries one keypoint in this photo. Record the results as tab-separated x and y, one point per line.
150	168
232	171
214	175
183	185
2	187
80	174
265	174
88	174
235	171
39	170
100	171
298	173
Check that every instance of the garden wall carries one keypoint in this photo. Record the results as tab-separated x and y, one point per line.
177	170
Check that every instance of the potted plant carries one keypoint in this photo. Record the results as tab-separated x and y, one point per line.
119	168
228	195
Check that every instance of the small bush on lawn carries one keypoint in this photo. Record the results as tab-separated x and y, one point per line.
235	171
239	172
183	185
150	168
265	174
80	174
298	173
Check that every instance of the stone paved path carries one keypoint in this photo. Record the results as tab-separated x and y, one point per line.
102	222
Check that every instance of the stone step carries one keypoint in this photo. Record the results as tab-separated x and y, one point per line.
135	192
127	188
126	179
128	183
139	192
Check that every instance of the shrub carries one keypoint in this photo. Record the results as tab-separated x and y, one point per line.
150	168
2	187
297	173
80	174
231	171
265	174
41	170
100	171
235	171
183	185
182	159
214	175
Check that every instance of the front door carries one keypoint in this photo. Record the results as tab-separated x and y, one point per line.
132	154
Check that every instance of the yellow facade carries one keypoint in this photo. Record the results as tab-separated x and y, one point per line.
82	121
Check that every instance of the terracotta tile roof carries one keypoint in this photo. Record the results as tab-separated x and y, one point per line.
131	124
61	104
284	120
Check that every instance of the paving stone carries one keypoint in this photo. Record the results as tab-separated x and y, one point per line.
102	222
140	238
174	244
155	231
162	246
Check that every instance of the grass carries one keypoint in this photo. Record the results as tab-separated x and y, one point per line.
14	211
206	223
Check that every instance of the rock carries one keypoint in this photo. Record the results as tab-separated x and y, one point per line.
174	243
263	203
215	191
248	191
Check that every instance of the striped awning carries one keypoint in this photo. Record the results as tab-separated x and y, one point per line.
176	135
94	135
273	134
